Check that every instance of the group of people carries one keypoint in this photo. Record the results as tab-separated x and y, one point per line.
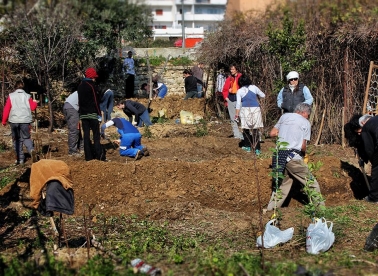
88	106
241	98
193	82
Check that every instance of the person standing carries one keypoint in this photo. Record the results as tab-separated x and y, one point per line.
71	114
106	105
190	85
294	129
130	138
293	93
230	88
129	67
248	109
197	72
18	111
140	112
90	115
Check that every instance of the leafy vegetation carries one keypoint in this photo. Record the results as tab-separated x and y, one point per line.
183	252
181	61
201	128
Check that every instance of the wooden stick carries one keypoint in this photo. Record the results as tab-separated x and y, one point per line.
321	128
51	220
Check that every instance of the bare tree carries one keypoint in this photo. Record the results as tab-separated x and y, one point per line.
44	38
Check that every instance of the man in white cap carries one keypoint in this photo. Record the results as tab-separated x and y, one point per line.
293	93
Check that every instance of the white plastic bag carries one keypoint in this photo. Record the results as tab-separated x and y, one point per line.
274	236
319	237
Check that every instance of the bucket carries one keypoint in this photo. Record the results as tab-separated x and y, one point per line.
186	117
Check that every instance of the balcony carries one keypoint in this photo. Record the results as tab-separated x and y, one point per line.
200	17
177	32
205	2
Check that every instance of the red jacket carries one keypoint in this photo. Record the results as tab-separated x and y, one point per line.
228	84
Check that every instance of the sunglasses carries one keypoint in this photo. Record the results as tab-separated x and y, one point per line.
295	79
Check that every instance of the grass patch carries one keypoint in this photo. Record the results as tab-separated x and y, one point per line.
182	248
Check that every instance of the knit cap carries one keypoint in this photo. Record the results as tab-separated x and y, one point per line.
91	73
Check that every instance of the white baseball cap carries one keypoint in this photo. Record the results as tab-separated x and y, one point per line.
292	75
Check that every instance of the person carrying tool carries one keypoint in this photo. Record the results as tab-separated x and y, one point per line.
18	111
294	129
130	138
366	127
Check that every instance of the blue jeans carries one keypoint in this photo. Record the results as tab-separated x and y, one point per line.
144	118
162	91
199	91
106	104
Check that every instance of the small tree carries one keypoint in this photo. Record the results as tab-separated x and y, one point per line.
288	45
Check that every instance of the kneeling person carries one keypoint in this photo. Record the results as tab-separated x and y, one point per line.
130	138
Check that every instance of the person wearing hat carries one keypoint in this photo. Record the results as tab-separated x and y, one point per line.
293	93
129	67
90	114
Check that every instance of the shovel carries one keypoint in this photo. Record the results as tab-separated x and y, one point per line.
362	168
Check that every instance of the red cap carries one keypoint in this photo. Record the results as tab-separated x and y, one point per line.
91	73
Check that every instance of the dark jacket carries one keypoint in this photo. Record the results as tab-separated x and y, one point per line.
133	108
190	84
291	99
89	98
369	135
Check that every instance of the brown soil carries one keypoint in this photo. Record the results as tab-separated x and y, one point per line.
185	178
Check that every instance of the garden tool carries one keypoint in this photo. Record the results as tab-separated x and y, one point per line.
362	168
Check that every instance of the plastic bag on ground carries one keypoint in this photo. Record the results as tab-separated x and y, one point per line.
274	236
319	237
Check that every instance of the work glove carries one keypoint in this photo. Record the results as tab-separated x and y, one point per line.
236	119
361	163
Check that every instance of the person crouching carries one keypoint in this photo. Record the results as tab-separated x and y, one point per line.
130	138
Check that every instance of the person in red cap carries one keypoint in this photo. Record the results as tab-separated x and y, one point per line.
89	110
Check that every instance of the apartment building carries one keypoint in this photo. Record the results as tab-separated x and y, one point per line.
198	16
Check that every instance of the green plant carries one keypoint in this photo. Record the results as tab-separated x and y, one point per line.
181	61
314	167
154	60
147	132
159	120
3	146
201	128
315	207
277	174
4	181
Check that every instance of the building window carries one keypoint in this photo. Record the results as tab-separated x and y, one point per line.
202	1
160	27
159	12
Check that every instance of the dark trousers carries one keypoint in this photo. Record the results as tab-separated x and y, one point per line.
21	137
251	138
373	193
129	86
88	125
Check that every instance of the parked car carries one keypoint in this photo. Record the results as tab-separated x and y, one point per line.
189	42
